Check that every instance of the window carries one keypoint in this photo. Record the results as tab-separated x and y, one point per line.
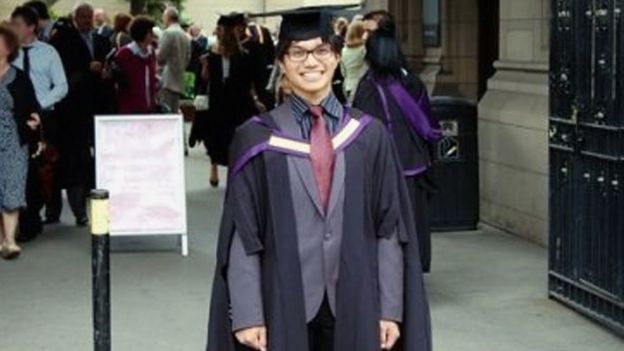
431	23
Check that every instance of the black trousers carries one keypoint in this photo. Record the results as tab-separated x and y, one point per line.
30	219
321	329
76	196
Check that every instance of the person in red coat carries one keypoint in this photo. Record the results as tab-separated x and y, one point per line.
136	70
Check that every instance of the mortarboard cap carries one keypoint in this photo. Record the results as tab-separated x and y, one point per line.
232	19
306	22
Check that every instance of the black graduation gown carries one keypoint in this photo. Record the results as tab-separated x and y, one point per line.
231	104
375	204
415	152
262	56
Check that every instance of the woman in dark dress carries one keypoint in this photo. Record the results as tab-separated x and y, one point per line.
19	118
389	91
228	70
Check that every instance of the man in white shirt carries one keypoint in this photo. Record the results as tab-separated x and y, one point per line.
44	67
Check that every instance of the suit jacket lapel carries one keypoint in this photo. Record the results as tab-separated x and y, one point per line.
338	181
289	127
304	168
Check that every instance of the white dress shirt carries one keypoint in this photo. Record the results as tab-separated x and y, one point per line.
46	73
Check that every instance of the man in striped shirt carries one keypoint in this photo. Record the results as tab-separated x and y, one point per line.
43	65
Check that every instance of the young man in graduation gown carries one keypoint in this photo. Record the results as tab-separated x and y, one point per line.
317	249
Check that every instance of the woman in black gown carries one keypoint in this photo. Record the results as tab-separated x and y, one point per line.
228	70
389	91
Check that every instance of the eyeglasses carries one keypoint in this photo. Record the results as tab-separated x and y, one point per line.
299	54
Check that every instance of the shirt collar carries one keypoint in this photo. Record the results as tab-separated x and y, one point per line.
135	49
35	43
175	26
331	106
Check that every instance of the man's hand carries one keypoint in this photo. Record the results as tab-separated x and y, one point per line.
254	337
390	333
41	147
34	121
107	73
96	67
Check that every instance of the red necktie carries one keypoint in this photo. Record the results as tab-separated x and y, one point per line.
321	155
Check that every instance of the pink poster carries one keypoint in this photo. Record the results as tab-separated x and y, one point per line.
140	162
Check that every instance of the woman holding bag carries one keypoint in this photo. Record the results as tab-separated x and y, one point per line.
389	91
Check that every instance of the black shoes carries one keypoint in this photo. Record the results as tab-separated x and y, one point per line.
24	237
82	222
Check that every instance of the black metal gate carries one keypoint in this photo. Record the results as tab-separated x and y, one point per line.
587	158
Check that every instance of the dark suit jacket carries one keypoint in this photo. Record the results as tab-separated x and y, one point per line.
88	93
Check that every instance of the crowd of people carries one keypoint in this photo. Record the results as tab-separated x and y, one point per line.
57	74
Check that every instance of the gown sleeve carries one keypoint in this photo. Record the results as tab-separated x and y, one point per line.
237	274
245	287
390	256
394	212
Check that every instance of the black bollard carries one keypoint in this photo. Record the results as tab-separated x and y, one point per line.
100	264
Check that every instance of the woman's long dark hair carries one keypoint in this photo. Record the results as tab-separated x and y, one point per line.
229	44
383	51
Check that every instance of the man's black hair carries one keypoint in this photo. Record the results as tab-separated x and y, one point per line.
28	14
40	7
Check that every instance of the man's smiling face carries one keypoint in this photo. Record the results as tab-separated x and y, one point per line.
309	67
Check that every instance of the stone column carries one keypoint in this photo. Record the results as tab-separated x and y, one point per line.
408	17
513	121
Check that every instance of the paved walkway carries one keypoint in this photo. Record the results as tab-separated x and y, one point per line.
487	291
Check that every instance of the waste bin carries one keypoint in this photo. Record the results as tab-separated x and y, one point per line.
455	205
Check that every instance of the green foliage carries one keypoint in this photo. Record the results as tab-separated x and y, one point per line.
189	86
153	8
53	15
